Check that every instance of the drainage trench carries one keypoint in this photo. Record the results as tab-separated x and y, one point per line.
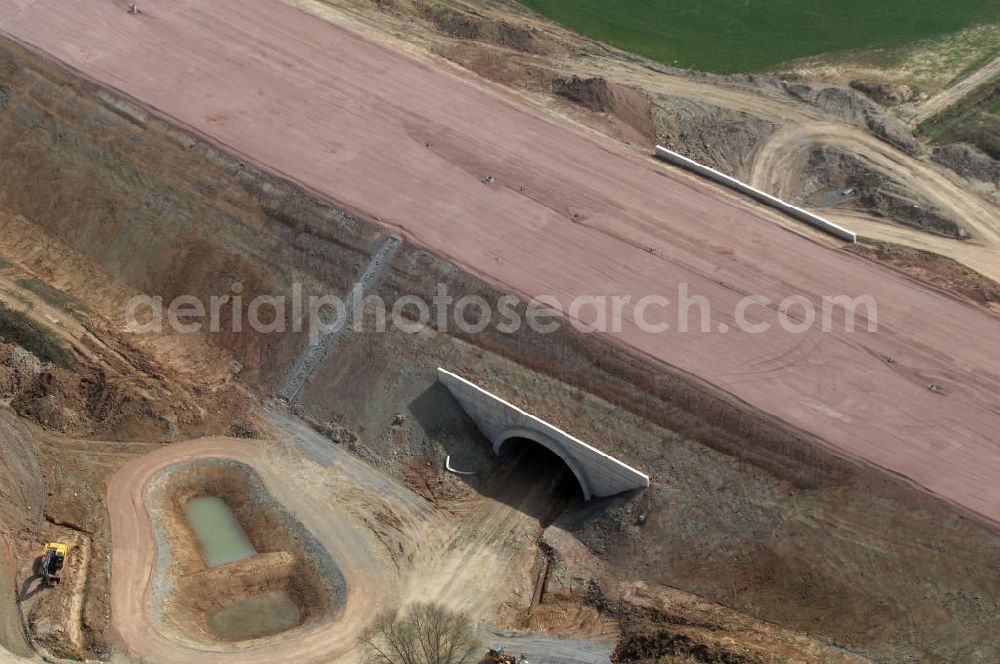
314	353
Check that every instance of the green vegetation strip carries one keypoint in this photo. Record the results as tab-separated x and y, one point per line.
752	35
56	298
974	65
20	297
973	119
17	328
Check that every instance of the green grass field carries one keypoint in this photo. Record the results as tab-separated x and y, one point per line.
754	35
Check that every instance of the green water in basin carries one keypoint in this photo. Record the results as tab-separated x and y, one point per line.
220	535
254	617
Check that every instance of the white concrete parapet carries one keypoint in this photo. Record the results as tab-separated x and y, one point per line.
813	220
598	473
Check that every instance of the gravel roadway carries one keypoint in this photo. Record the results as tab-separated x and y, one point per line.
540	649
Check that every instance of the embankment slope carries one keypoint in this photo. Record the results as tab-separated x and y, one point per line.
406	145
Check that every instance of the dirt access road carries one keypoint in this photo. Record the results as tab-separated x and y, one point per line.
396	140
952	94
779	165
392	546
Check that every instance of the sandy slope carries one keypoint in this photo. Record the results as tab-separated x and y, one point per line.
11	634
776	170
405	144
983	259
779	165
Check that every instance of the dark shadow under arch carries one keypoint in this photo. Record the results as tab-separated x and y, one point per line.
552	446
543	459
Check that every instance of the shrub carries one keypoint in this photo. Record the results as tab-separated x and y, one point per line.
423	634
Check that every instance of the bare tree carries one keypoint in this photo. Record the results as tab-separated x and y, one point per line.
422	634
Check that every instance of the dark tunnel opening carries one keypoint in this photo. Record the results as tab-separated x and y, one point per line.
535	480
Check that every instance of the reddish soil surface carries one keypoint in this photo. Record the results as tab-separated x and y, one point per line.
939	271
408	145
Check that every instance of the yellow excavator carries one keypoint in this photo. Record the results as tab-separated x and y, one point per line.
496	655
53	559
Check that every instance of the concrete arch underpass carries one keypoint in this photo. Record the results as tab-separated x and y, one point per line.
599	474
506	439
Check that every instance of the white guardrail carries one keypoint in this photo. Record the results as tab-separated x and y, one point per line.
813	220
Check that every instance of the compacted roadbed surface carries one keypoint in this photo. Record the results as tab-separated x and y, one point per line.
408	145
